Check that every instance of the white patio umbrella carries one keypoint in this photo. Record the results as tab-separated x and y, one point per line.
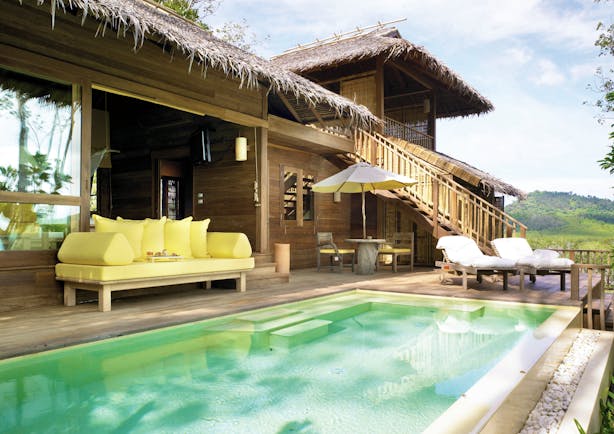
362	177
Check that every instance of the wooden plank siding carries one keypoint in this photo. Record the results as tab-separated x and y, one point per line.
330	216
72	52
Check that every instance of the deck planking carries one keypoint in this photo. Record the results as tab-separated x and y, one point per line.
32	330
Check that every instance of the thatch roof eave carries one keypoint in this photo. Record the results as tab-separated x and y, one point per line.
147	20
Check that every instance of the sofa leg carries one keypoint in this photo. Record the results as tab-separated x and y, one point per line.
465	280
242	283
207	284
70	295
104	300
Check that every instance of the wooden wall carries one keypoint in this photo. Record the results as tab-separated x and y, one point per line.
330	216
72	52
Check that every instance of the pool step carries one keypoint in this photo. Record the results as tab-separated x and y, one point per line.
299	334
267	315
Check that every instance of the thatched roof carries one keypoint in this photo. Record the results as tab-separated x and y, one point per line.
456	97
471	175
145	19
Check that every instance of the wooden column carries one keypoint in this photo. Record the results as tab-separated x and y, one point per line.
435	215
379	87
86	150
262	208
432	120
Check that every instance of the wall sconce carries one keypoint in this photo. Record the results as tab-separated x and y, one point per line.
336	196
241	149
427	105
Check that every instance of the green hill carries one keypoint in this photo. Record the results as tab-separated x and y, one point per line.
566	220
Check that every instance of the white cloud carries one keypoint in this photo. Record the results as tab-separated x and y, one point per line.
518	55
548	74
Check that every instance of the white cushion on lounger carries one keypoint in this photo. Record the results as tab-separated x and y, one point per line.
512	248
463	250
519	250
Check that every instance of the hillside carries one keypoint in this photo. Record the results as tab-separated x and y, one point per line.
566	220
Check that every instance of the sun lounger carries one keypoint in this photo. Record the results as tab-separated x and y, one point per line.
462	255
533	262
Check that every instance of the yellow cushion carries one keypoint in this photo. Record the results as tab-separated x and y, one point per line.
132	230
340	251
198	238
395	250
228	245
177	237
140	270
153	235
96	248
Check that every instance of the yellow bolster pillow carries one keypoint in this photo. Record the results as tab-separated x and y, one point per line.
228	245
96	248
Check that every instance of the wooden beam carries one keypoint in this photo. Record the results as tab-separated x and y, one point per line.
26	61
50	199
289	106
292	134
408	94
347	77
423	81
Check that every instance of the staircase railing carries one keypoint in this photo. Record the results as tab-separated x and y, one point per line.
449	205
403	131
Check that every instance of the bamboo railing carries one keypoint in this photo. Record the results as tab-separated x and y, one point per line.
446	202
403	131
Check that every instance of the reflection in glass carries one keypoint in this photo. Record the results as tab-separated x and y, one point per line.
308	204
40	140
27	226
290	195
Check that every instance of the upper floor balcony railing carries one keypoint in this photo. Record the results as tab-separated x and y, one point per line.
403	131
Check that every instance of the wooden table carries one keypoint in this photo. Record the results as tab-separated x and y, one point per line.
366	254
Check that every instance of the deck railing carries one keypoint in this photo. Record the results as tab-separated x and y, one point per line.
403	131
446	202
587	256
595	300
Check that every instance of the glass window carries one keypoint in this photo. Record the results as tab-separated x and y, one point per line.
40	142
290	195
27	226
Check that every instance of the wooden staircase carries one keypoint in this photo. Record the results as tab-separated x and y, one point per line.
444	204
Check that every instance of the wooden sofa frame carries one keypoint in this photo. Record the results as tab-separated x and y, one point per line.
105	288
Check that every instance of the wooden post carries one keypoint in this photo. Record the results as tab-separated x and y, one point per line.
86	150
262	210
435	214
575	282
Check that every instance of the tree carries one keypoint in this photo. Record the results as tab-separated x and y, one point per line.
605	42
197	11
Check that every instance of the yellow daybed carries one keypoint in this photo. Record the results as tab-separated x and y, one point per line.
121	255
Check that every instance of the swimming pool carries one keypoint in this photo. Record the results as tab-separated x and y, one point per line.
354	362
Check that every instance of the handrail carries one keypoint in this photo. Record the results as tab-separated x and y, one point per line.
592	291
448	203
403	131
592	256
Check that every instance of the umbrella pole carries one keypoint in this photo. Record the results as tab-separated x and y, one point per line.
364	216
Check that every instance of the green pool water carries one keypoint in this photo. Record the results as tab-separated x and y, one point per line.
359	362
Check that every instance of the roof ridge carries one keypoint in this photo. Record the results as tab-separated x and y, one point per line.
359	31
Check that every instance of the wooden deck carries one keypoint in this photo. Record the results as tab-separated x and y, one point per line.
32	330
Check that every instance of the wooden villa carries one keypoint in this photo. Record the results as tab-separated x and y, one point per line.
123	108
408	90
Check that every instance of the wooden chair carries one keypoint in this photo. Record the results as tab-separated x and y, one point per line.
402	245
326	246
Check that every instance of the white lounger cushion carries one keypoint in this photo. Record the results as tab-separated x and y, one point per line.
464	251
519	250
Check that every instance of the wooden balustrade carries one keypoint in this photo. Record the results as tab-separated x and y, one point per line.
403	131
590	256
595	299
436	194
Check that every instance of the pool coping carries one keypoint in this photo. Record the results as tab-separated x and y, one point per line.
520	379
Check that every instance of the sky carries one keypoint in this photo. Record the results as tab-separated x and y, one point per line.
532	59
